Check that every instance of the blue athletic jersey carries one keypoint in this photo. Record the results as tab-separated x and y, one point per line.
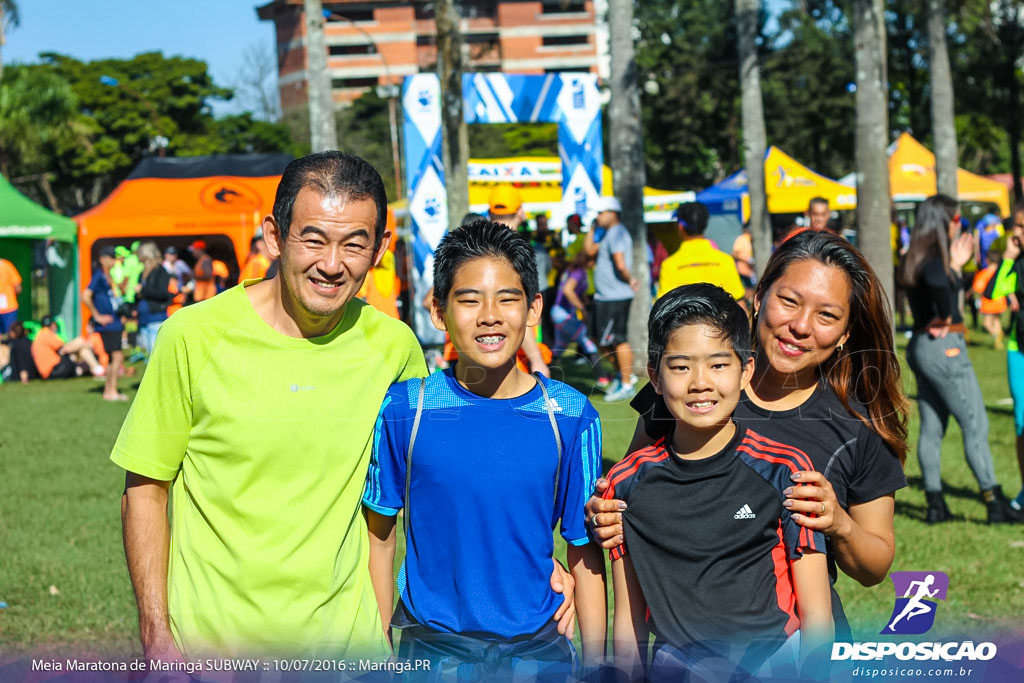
105	302
482	504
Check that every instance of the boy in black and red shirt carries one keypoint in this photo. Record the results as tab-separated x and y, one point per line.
713	562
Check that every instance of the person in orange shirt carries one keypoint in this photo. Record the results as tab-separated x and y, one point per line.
991	309
220	275
256	267
56	360
204	277
10	288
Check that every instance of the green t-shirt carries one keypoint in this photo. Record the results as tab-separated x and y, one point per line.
132	272
267	439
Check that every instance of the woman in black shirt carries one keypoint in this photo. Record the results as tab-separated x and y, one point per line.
826	381
937	353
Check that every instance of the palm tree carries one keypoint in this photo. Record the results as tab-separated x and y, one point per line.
872	135
8	17
943	125
754	136
626	152
37	110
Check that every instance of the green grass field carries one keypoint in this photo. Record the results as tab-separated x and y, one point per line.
64	579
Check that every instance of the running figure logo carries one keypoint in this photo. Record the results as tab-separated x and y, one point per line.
917	594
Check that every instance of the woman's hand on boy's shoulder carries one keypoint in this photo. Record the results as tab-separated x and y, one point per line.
604	517
813	501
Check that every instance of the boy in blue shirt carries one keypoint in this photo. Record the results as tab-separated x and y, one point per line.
498	459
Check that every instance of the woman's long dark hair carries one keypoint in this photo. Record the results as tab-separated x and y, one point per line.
867	367
929	238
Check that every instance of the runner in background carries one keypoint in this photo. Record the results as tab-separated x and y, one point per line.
220	275
99	298
743	255
258	263
10	288
992	309
203	275
1009	282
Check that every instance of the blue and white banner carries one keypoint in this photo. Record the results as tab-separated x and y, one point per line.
569	99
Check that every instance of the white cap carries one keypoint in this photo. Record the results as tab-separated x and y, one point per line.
607	204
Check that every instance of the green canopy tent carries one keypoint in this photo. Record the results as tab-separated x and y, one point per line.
22	221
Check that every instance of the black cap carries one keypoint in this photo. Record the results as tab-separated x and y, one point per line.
46	321
107	251
171	250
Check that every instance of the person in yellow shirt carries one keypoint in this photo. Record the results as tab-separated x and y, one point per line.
696	260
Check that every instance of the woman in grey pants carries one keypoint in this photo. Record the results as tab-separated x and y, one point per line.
937	353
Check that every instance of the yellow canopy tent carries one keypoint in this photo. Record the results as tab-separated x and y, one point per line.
790	186
912	177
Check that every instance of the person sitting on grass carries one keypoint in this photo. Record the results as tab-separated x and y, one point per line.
486	460
16	356
56	359
733	585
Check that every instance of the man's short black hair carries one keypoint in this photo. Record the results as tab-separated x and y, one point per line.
483	239
817	200
331	173
693	218
697	304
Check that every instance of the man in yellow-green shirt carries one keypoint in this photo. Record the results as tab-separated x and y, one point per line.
697	260
256	415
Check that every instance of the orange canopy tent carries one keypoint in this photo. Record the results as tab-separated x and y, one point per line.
912	177
173	201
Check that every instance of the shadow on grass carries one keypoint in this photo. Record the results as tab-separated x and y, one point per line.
916	513
955	491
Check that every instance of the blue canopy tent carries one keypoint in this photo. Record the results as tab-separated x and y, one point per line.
726	202
727	196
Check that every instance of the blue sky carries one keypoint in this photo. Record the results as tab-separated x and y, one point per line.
216	31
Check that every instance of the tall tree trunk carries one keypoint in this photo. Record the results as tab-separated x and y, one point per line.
943	123
872	135
1013	132
455	135
3	39
627	161
323	133
755	140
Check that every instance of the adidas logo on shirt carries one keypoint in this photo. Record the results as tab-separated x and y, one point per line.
744	513
554	405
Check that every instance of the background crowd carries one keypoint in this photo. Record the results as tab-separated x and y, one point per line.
587	280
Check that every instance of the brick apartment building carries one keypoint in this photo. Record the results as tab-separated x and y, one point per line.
379	42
